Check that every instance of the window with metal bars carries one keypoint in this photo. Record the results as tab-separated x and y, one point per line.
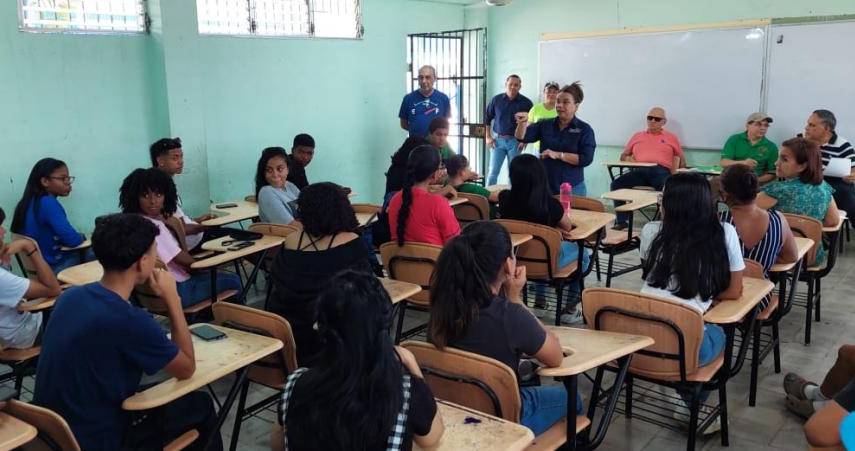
83	16
296	18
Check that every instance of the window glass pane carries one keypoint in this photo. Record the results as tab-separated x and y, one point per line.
223	16
126	16
337	18
281	17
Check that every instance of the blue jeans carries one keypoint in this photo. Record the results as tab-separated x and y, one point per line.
67	259
569	253
711	347
504	147
653	177
544	406
198	287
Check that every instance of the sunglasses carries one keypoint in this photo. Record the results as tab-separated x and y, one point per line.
655	119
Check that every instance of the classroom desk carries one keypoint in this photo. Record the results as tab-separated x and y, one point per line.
778	273
14	432
457	201
585	223
399	290
81	274
520	238
636	200
497	188
245	210
214	360
262	245
488	433
86	244
624	165
36	305
366	219
707	171
586	349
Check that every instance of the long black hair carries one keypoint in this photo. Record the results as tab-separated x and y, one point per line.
351	398
143	181
33	191
468	266
266	155
529	188
423	162
398	169
325	210
689	254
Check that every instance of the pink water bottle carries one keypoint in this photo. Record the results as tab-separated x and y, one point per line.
565	197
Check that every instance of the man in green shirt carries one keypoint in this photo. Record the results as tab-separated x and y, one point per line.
752	149
545	109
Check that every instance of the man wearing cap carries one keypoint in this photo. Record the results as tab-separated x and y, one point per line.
500	112
653	145
302	153
423	105
752	149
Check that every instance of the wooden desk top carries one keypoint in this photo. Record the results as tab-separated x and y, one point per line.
629	164
705	171
588	349
497	188
520	238
266	242
399	290
81	274
489	433
637	198
365	219
803	245
835	228
586	222
214	359
457	201
84	245
244	210
36	305
14	432
727	312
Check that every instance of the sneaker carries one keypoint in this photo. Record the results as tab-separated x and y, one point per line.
801	407
540	301
794	385
620	226
572	317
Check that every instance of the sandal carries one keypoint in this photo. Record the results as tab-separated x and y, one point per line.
801	407
794	385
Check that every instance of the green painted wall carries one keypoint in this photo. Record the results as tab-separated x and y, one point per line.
514	32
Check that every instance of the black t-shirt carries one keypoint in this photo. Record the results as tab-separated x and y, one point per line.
296	173
512	210
503	331
419	418
846	397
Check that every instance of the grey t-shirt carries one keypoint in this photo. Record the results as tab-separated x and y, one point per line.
278	205
504	331
17	330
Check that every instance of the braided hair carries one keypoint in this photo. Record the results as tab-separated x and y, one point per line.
422	164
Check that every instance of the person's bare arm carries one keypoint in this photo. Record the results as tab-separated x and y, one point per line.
437	428
832	215
551	353
488	135
45	284
512	288
494	197
823	427
676	164
405	124
765	201
734	290
789	250
565	224
766	178
184	364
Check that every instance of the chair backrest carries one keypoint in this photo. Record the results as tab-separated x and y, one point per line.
809	228
472	380
412	262
267	228
25	260
250	198
753	269
54	432
176	227
676	328
275	368
540	254
476	208
367	208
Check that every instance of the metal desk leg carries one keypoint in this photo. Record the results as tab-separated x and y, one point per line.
227	404
609	410
571	384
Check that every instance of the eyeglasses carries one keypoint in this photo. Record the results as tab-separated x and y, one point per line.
66	179
655	119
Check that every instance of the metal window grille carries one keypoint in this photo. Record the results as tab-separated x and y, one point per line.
83	16
301	18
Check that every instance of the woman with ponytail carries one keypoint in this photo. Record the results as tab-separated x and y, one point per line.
476	305
363	393
416	214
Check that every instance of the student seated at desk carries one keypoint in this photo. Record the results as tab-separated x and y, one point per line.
275	194
151	193
529	200
97	346
40	216
302	152
691	257
438	137
328	243
764	235
416	214
459	176
166	154
802	192
752	148
21	330
363	393
476	305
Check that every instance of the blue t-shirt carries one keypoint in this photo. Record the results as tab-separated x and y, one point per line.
50	227
419	110
95	348
578	138
503	109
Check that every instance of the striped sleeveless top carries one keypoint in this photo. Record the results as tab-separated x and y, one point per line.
767	249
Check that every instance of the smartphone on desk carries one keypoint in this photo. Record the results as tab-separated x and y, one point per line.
207	333
230	205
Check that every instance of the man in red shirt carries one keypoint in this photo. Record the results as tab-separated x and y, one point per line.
654	145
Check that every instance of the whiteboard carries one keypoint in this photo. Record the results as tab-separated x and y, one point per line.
708	81
813	67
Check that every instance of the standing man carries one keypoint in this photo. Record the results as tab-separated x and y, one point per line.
302	153
500	113
423	105
752	149
654	145
820	128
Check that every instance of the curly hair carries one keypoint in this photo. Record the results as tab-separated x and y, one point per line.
325	210
143	181
162	147
266	155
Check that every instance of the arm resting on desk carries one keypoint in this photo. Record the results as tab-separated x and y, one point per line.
789	250
184	364
832	215
734	290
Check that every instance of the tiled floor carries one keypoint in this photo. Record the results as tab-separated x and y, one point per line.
766	426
